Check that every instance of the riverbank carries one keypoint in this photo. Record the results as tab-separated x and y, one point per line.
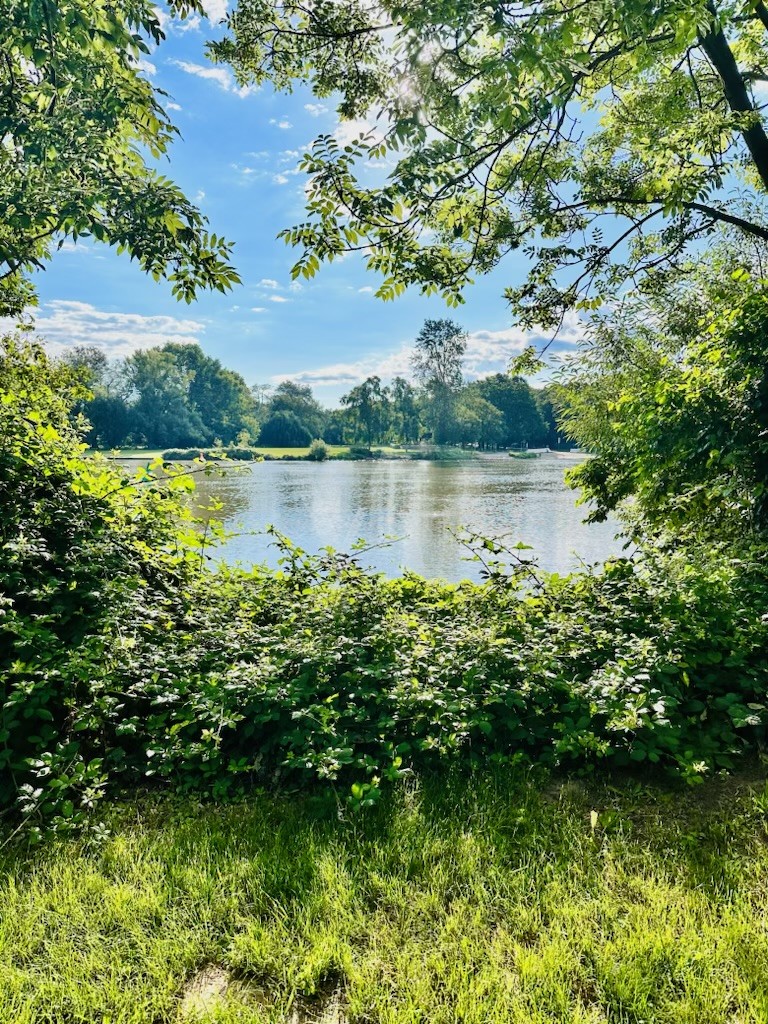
489	899
141	456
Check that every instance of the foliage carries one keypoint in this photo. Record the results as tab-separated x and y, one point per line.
318	451
677	413
584	134
80	121
285	430
169	394
367	404
437	360
522	423
297	399
123	660
79	541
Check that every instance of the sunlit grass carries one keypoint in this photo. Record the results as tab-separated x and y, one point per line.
482	902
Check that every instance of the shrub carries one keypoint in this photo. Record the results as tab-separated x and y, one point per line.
318	451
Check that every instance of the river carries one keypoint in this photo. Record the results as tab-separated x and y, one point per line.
417	503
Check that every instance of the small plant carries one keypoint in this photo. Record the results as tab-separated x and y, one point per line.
318	451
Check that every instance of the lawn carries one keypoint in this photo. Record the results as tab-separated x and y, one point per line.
493	900
276	453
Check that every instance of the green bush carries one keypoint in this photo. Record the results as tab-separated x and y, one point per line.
212	454
318	451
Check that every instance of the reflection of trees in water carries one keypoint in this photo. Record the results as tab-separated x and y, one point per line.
230	486
334	503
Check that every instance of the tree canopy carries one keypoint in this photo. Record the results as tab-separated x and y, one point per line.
79	122
601	136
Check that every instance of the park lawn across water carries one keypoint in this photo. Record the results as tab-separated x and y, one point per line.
494	899
276	453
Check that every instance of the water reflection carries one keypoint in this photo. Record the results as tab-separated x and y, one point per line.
335	503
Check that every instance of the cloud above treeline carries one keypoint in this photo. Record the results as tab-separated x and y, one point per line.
487	352
62	324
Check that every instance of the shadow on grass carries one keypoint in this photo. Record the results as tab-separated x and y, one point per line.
473	899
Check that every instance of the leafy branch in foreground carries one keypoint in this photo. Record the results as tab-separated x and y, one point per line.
77	116
598	137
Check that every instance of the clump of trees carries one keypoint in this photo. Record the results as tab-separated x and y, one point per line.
175	396
500	411
170	396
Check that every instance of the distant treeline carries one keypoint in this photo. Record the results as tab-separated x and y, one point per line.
175	396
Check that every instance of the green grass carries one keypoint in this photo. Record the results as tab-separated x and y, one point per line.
481	902
333	449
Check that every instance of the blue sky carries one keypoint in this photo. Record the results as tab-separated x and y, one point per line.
237	158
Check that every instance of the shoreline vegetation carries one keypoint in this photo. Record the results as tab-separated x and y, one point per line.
333	452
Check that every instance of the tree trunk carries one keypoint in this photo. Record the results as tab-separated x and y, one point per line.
720	55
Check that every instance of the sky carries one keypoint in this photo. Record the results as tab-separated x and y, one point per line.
237	158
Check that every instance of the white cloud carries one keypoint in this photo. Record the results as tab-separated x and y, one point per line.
215	10
80	248
487	352
367	290
220	76
191	24
280	179
63	323
268	282
350	131
173	106
284	123
146	66
316	109
278	298
258	309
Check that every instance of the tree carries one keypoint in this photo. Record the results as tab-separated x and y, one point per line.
284	430
588	133
515	399
405	410
79	120
290	396
440	347
477	421
676	410
368	406
220	397
548	410
161	412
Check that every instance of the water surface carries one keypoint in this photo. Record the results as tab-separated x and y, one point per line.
420	503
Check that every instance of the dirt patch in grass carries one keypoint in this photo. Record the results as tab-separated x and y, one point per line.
212	988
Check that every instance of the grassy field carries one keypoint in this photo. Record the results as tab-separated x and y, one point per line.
276	453
489	901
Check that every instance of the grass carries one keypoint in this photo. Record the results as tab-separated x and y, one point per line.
333	449
498	900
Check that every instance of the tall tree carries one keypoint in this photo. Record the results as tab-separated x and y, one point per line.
159	397
219	396
368	406
405	410
79	121
290	396
477	421
602	135
515	398
437	364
